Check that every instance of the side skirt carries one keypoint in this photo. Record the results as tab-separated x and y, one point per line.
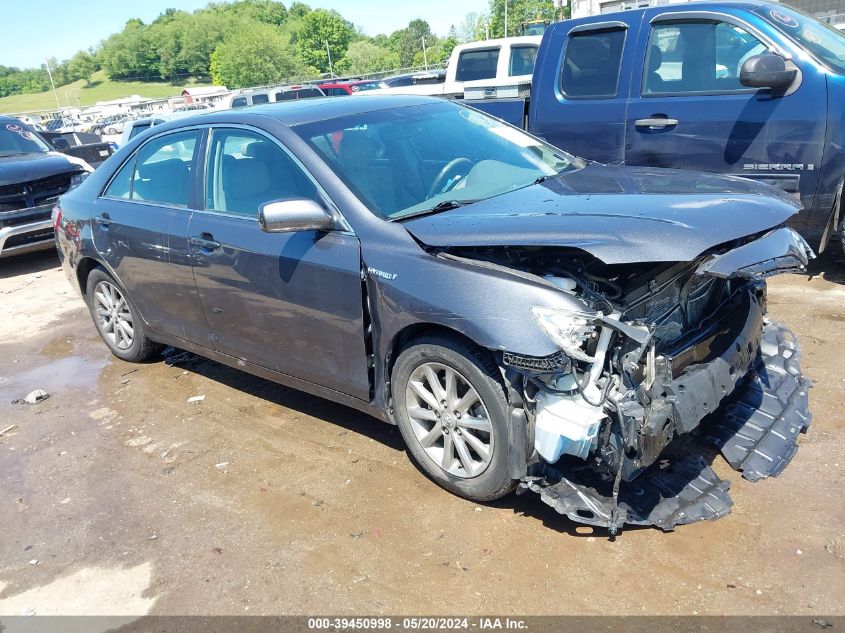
275	376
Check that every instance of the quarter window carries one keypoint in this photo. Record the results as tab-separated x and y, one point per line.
522	60
164	170
591	64
260	98
121	185
478	64
247	170
697	56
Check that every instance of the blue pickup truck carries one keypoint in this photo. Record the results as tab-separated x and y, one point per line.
751	89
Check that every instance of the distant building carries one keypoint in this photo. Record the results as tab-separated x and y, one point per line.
831	11
208	95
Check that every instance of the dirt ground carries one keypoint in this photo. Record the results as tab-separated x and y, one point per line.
118	496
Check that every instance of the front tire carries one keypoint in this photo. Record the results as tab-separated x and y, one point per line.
117	319
453	415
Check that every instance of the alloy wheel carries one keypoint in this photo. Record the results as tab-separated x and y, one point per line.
449	420
114	318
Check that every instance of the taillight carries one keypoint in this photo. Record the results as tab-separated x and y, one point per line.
57	216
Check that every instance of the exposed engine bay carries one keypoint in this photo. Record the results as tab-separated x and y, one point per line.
657	361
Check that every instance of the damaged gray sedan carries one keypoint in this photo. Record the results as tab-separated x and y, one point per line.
529	320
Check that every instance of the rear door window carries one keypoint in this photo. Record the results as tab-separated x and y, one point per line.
477	64
164	169
591	64
260	98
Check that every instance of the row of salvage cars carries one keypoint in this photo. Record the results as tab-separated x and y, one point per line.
529	320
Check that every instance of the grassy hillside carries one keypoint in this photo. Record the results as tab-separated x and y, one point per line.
76	94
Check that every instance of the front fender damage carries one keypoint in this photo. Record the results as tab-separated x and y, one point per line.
729	378
756	429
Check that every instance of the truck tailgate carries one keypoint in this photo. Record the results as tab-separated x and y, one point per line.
513	111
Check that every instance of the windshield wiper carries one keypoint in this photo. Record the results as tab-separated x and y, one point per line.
4	154
444	205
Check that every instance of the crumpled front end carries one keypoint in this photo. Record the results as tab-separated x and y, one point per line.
662	364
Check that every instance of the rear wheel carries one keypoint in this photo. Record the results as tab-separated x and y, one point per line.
117	319
452	413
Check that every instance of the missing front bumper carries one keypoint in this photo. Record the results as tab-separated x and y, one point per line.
756	428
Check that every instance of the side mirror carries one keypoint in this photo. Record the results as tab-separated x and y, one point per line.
60	144
766	71
296	214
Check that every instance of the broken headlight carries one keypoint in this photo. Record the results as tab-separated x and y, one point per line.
570	330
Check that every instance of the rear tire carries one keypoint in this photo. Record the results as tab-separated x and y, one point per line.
453	415
117	319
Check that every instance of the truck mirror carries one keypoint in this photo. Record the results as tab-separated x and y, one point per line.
767	71
60	144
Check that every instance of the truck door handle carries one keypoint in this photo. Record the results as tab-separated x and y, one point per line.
656	122
204	240
104	220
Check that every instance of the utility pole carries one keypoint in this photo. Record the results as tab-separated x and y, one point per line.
55	94
506	18
487	30
425	54
329	54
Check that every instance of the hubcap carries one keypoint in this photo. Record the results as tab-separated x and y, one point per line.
449	420
113	316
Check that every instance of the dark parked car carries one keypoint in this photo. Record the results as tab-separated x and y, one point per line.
526	318
32	177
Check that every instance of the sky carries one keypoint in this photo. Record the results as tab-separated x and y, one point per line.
59	28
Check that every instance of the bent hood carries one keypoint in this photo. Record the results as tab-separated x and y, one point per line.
26	167
617	214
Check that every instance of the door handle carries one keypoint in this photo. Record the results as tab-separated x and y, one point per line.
204	240
656	122
104	219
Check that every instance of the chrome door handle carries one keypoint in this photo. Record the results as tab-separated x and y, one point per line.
656	122
103	219
204	241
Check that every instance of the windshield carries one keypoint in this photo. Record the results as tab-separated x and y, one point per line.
824	42
16	139
405	161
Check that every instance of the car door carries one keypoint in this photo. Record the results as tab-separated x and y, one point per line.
290	302
689	110
584	112
140	230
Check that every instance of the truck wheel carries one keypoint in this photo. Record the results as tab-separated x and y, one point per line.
452	413
117	319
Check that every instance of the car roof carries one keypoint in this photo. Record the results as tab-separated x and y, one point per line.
695	5
293	113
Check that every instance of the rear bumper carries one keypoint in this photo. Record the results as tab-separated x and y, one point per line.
26	238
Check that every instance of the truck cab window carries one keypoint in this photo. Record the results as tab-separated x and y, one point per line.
591	64
477	64
697	56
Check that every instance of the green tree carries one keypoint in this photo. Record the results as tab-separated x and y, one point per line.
266	11
317	28
255	55
408	42
131	54
519	11
363	57
81	66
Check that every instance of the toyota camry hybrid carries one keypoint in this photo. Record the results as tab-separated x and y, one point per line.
531	321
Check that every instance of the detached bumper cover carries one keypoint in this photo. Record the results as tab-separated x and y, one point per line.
755	427
759	429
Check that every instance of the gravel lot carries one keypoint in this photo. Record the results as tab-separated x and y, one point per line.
117	495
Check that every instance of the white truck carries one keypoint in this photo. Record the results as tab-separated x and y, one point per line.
490	68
